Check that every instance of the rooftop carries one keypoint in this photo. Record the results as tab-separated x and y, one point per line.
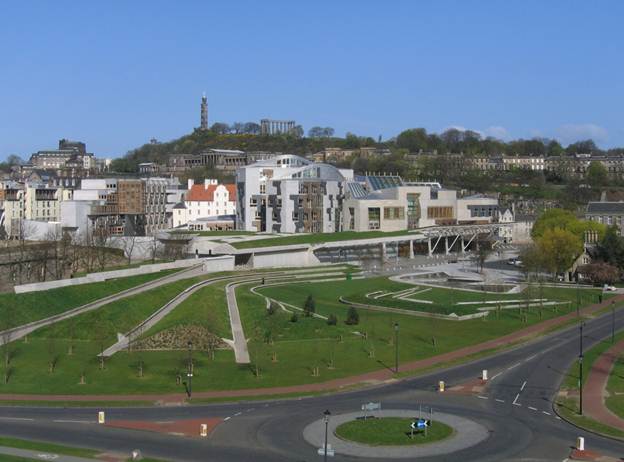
605	207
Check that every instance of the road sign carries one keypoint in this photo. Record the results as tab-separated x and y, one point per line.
371	406
330	451
420	423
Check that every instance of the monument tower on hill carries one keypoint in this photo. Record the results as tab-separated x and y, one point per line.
204	113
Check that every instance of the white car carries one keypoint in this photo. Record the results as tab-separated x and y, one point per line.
608	288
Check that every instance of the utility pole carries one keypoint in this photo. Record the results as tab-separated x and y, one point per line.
189	373
581	368
326	418
396	347
612	322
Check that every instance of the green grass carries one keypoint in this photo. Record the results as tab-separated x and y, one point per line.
46	447
390	431
7	458
207	307
317	238
568	408
18	309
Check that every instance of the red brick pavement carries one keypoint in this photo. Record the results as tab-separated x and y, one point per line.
185	427
370	377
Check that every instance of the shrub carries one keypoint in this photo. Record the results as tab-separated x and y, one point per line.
332	320
353	317
310	306
272	308
294	317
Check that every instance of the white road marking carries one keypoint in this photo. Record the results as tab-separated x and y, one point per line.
515	401
74	421
482	397
495	376
511	367
523	385
227	418
500	400
557	417
533	408
547	413
530	358
237	414
17	418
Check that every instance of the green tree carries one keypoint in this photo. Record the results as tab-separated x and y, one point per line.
309	306
559	249
597	175
611	248
353	318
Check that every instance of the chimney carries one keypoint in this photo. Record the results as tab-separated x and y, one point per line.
190	184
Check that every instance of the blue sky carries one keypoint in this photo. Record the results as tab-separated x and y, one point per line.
115	74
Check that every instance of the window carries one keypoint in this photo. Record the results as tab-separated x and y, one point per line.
439	212
351	218
374	216
394	213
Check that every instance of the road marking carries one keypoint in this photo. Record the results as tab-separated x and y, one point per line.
249	410
530	358
227	418
533	408
495	376
17	418
511	367
237	414
74	421
482	397
547	413
500	400
557	417
515	401
523	385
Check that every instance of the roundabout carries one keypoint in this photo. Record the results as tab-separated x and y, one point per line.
388	434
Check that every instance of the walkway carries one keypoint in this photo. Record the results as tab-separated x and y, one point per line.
239	344
29	454
21	331
595	390
331	385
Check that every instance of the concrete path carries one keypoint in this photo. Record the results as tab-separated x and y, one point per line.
241	353
595	389
21	331
41	455
467	433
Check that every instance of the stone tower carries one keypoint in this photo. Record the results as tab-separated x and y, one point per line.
204	113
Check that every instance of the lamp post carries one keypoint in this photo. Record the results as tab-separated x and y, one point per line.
326	415
581	368
612	322
189	373
578	297
396	347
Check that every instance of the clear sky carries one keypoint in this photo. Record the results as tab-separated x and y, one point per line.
115	74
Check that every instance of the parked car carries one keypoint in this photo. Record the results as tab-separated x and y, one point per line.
608	288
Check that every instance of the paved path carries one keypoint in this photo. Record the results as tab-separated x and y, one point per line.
21	331
41	455
596	388
467	434
331	385
239	344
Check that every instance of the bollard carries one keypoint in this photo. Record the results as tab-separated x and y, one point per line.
580	443
136	455
203	430
101	418
441	385
484	375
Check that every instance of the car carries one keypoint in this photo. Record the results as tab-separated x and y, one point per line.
512	261
608	288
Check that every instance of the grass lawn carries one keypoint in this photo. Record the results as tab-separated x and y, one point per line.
18	309
390	431
47	447
317	238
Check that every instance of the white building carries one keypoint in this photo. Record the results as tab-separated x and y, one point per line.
290	194
207	200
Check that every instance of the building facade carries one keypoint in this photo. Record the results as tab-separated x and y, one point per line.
207	200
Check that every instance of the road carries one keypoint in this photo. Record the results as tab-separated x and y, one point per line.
516	408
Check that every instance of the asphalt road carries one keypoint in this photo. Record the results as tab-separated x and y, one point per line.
516	408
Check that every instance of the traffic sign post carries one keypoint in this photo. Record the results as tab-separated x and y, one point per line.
370	407
330	452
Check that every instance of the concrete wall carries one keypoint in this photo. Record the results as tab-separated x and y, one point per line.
223	263
296	258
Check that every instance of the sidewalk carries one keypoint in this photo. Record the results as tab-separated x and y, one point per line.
370	377
596	388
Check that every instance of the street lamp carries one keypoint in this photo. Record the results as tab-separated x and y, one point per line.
613	322
396	347
581	368
326	415
189	373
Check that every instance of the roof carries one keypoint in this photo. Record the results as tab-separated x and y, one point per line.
179	205
605	207
200	192
356	189
377	182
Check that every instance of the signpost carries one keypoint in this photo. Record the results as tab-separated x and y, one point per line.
370	407
420	424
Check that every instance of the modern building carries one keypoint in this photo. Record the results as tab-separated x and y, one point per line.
290	194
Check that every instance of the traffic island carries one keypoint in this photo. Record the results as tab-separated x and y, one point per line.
393	431
388	434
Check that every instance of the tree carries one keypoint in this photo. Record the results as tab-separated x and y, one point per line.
220	128
14	159
309	306
297	131
353	318
600	273
414	140
611	248
597	175
564	219
251	128
559	248
332	320
238	128
315	132
484	250
328	132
